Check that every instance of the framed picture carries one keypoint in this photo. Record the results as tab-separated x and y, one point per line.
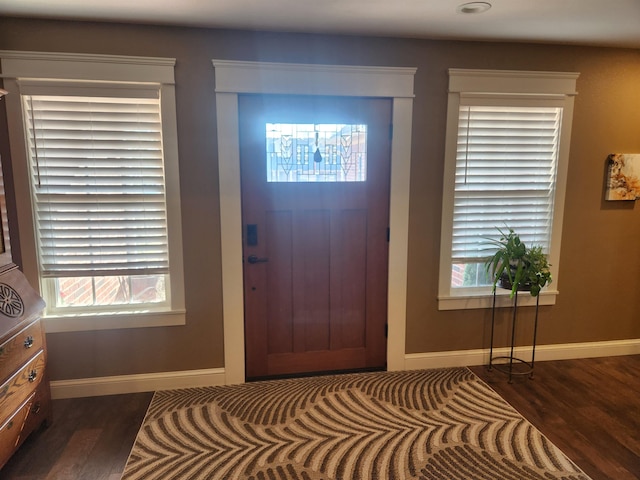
623	182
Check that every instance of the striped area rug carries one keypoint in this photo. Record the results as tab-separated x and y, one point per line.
427	424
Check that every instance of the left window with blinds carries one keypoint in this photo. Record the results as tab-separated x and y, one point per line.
103	190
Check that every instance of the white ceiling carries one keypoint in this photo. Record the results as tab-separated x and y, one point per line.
581	22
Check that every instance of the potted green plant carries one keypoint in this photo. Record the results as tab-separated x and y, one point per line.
517	267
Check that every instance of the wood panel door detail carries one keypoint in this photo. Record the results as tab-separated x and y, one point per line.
315	250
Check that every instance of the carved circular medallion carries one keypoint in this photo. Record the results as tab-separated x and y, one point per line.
11	304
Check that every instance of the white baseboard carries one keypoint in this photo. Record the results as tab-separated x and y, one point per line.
566	351
89	387
147	382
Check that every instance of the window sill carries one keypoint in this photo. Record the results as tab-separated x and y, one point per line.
113	321
548	297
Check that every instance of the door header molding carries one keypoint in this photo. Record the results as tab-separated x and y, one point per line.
305	79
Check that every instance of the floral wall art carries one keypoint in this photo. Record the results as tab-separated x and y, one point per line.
623	181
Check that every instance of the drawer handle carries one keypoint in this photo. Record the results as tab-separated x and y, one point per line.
36	408
9	425
33	375
28	343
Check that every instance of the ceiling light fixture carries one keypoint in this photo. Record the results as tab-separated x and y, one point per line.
474	7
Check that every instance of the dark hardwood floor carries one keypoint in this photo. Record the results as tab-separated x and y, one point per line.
589	408
89	439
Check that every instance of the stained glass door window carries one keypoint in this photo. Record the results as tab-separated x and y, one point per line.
316	152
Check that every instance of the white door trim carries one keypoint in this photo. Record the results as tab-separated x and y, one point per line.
233	78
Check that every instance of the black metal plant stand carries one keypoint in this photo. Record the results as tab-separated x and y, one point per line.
508	368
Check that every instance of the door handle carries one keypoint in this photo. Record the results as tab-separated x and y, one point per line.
255	259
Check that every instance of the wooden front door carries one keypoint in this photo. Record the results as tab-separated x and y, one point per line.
315	210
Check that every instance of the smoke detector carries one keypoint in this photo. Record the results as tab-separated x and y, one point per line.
474	7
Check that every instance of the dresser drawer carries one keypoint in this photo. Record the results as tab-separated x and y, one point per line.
19	348
40	411
17	388
12	428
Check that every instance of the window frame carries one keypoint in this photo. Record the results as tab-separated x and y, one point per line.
87	72
502	86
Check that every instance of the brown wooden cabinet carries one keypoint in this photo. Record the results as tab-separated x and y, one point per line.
25	398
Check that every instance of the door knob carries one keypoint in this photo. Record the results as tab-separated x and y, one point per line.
255	259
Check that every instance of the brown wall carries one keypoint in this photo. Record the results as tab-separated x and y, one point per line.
600	271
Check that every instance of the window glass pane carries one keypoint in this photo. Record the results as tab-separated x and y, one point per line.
110	290
74	292
469	275
148	289
316	152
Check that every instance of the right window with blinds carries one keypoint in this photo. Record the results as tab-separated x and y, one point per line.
505	176
505	167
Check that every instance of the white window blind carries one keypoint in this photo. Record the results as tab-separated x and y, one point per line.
97	174
505	176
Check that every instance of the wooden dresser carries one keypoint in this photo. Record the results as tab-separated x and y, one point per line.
25	398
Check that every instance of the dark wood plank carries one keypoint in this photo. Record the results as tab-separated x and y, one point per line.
75	455
589	408
89	438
